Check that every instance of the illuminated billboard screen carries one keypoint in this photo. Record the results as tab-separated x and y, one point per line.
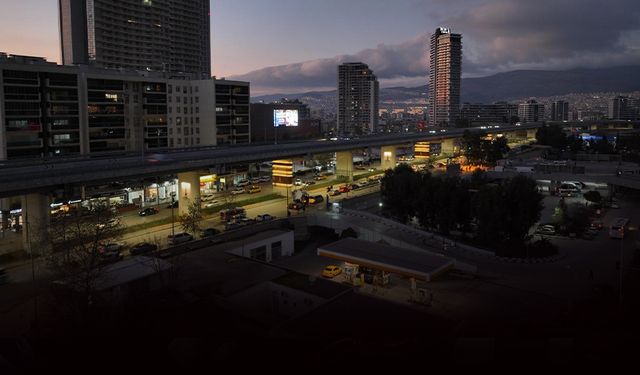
285	117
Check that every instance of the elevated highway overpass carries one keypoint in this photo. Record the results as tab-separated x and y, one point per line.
19	178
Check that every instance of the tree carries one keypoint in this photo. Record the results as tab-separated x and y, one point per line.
551	135
471	146
488	212
522	205
577	219
601	146
593	196
227	197
349	233
576	144
478	179
76	253
399	189
190	222
560	213
498	148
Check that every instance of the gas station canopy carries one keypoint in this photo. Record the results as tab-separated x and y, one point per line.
420	265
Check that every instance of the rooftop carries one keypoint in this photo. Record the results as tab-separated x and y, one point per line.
311	285
412	263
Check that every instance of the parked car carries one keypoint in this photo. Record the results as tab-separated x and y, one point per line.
176	203
255	180
596	225
143	248
265	178
336	192
110	256
237	191
110	223
179	238
297	182
309	182
245	221
109	247
209	232
590	234
254	189
226	215
242	183
315	200
295	206
320	177
206	198
331	271
265	217
344	188
148	211
232	225
211	204
546	229
239	215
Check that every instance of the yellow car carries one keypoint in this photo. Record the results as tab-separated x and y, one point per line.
331	271
254	189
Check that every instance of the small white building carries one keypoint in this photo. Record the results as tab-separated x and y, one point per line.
264	246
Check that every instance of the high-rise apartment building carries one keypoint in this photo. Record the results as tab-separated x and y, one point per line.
560	111
499	112
233	116
444	77
357	99
531	111
52	110
624	108
170	36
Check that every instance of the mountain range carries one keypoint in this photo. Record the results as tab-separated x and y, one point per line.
508	86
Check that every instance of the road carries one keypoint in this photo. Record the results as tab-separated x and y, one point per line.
158	234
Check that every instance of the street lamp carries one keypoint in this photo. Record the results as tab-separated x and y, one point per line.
173	197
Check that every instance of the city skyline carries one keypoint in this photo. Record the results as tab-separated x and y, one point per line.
501	36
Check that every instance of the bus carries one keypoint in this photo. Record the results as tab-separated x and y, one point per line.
618	227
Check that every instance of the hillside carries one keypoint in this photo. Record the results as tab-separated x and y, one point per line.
502	86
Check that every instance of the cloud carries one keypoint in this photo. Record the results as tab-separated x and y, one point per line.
403	62
498	36
547	34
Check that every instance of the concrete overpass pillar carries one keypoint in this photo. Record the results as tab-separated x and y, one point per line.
531	133
36	209
188	190
5	207
344	165
388	157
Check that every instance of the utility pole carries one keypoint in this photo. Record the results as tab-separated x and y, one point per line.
173	198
